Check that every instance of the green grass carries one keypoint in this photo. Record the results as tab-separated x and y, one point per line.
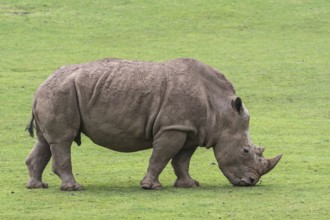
276	53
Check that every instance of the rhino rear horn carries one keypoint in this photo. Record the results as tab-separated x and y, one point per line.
270	164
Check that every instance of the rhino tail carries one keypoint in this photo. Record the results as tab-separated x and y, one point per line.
30	127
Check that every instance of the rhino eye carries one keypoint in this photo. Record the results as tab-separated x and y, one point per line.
245	150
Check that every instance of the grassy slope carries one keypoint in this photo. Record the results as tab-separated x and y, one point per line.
276	54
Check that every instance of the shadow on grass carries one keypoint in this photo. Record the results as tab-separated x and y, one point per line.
130	188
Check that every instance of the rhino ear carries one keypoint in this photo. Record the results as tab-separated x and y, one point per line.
237	104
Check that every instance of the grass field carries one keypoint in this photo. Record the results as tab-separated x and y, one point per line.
276	53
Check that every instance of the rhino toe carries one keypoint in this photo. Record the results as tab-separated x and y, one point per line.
186	183
151	186
146	183
71	187
36	184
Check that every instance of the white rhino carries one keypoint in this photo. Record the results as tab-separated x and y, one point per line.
172	107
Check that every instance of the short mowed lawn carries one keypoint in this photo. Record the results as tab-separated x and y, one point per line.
276	53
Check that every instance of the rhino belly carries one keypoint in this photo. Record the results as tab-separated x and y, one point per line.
120	143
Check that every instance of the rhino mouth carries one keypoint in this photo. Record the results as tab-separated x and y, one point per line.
246	182
249	181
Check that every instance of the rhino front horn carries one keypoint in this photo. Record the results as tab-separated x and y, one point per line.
270	164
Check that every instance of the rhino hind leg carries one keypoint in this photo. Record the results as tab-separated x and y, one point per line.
36	163
62	165
165	147
180	164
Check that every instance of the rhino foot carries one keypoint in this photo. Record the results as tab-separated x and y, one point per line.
186	183
149	184
71	187
36	184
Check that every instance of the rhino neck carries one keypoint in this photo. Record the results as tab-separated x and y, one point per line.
220	153
208	134
226	146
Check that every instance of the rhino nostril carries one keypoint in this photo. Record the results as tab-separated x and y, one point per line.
251	180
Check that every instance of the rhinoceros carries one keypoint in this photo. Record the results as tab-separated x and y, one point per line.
172	107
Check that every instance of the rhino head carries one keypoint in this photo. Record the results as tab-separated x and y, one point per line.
239	159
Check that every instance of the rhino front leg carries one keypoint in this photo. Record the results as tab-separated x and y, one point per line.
62	166
165	147
180	164
36	163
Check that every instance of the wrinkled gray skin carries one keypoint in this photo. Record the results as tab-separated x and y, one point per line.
127	106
